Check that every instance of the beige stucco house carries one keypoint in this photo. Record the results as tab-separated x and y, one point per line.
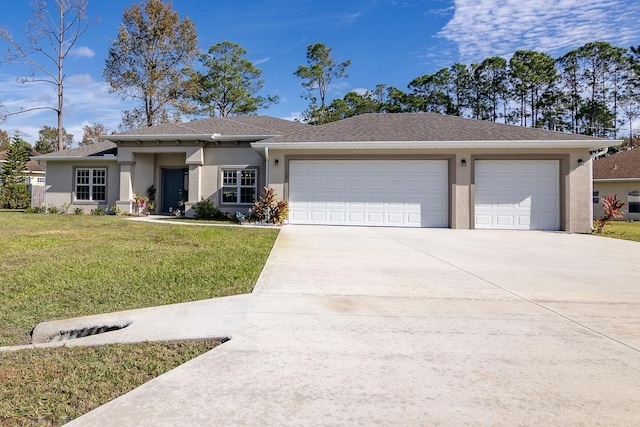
618	174
405	170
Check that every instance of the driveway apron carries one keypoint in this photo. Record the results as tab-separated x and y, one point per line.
381	326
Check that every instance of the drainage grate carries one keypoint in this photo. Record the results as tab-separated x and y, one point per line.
85	332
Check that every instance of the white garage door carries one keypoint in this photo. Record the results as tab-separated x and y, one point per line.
517	194
369	192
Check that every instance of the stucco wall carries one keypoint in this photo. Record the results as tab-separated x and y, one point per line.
575	179
60	184
228	156
621	188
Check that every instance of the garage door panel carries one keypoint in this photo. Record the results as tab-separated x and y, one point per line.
517	194
389	193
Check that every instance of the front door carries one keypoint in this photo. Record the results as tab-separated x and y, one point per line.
174	189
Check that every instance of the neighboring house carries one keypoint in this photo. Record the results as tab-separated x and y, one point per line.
407	170
35	170
618	174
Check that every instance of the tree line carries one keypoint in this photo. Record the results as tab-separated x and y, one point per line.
155	61
591	90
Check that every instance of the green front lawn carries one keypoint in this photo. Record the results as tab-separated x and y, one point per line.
62	266
50	387
623	230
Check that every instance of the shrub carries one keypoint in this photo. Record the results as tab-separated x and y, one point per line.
32	210
53	210
269	209
205	209
98	212
78	211
611	209
65	207
114	210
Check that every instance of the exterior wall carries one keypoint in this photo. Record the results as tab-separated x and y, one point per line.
621	188
60	184
141	166
228	156
575	179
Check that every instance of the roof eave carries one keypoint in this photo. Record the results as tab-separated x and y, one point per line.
616	179
405	145
185	137
89	158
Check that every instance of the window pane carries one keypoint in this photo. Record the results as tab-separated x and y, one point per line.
247	195
229	177
99	176
634	207
82	192
82	176
99	193
596	197
229	195
248	178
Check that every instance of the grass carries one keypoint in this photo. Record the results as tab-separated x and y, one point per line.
50	387
62	266
623	230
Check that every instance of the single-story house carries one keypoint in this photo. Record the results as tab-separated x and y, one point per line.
618	174
405	170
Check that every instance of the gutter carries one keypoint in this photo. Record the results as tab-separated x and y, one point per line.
406	145
616	179
108	158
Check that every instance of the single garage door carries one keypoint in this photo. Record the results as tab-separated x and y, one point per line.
517	194
399	193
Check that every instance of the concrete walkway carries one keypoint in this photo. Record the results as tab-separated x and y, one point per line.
377	326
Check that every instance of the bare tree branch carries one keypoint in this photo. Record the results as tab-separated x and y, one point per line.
49	39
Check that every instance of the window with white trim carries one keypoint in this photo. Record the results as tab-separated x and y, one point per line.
91	184
596	197
239	186
633	201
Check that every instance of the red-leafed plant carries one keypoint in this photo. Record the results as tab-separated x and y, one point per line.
611	209
269	209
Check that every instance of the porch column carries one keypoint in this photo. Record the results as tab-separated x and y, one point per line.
195	160
125	201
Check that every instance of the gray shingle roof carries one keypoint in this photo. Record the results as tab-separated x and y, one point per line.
226	126
420	127
32	165
99	149
622	165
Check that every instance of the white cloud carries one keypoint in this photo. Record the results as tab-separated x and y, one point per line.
360	90
85	101
80	79
296	115
82	52
483	28
261	61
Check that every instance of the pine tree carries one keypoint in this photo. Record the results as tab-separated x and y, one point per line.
14	192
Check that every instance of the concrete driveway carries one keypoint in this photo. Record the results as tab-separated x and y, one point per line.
379	326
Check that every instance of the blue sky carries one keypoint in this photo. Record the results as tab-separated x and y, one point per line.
387	41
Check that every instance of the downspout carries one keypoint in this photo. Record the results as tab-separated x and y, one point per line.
592	158
266	169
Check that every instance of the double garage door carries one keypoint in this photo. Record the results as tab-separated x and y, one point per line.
509	194
396	193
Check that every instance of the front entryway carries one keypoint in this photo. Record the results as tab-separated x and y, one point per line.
174	188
